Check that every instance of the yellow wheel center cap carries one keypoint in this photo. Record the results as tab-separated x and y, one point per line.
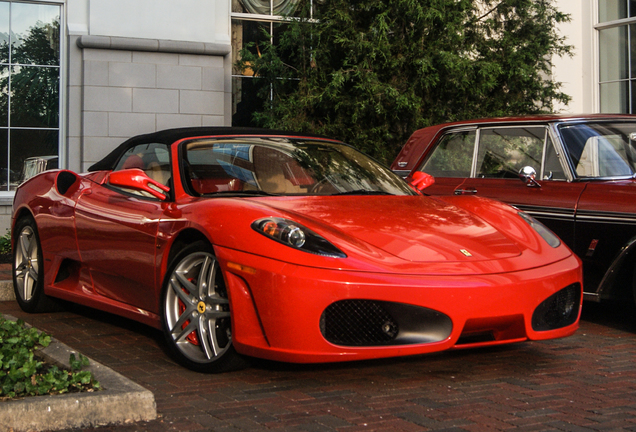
201	307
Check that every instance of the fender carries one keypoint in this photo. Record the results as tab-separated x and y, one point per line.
612	272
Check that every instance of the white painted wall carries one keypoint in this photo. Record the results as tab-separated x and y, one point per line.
579	72
181	20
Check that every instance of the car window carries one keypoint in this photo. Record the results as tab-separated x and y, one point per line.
601	149
287	166
153	159
552	169
504	151
453	155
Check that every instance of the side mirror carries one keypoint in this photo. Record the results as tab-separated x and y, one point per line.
528	175
136	179
420	180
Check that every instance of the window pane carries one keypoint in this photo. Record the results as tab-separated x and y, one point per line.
153	159
610	10
452	157
35	96
615	97
264	7
35	33
288	56
4	32
245	33
552	169
245	101
632	50
4	61
603	149
256	33
237	6
4	171
29	143
4	95
613	53
504	151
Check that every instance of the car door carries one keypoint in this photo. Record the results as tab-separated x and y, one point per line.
605	224
117	232
603	156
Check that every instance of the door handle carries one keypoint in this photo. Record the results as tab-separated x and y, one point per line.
465	191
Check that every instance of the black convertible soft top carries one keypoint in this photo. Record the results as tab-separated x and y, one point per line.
169	136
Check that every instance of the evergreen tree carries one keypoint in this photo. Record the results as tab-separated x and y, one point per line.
370	72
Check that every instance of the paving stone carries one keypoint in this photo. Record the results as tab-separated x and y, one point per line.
586	382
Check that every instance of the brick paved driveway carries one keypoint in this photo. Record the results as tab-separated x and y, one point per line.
585	382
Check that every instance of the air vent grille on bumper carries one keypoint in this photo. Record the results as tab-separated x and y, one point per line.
561	309
360	322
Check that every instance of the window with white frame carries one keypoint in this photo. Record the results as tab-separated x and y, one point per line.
29	86
252	20
617	55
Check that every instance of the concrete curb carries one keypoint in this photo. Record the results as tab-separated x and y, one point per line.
120	401
6	291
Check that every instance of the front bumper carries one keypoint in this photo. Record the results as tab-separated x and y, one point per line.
279	310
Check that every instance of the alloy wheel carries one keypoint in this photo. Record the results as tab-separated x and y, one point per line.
26	263
197	309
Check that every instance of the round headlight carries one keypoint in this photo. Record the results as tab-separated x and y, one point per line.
294	236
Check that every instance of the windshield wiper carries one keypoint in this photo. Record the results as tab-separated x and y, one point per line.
362	192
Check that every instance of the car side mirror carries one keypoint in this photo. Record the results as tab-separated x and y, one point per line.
136	179
420	180
528	175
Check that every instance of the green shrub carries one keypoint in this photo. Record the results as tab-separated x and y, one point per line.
5	244
23	374
371	72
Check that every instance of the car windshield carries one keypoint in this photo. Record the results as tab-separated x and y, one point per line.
601	149
284	166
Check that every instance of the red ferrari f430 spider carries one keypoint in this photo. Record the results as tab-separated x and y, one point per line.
238	242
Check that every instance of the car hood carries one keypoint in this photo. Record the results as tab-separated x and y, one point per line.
416	229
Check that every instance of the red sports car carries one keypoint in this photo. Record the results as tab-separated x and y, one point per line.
578	178
287	247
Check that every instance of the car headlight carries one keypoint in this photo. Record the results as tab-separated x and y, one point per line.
542	230
297	236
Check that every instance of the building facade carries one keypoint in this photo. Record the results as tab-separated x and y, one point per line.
78	77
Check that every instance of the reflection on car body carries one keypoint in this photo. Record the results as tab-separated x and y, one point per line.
578	179
288	247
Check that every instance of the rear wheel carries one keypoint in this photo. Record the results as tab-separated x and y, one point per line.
28	270
196	312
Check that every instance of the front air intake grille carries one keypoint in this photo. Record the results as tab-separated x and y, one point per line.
358	323
559	310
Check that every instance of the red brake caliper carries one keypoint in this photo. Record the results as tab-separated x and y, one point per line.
193	338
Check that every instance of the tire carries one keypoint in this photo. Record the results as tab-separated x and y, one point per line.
196	312
28	268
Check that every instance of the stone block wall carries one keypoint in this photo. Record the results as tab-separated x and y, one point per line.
121	87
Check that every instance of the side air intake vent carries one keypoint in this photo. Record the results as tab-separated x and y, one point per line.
64	181
559	310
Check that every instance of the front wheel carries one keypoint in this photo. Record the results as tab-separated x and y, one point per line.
196	312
